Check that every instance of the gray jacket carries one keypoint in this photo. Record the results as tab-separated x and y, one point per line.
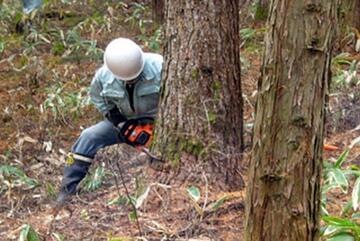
107	91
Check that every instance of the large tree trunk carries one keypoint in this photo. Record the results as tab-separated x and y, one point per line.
201	103
283	196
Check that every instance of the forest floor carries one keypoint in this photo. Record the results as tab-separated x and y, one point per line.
36	140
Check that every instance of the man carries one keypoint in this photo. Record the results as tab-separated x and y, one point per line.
126	87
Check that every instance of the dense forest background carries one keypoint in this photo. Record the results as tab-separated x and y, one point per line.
48	58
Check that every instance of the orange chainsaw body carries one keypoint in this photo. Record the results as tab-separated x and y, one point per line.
140	135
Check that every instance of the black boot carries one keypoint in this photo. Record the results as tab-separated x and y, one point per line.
73	174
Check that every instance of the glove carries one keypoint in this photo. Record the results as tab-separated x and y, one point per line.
73	174
115	117
137	132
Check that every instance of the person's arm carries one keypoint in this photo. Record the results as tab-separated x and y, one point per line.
100	102
107	108
157	64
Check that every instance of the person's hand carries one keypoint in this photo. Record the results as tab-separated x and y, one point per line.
115	117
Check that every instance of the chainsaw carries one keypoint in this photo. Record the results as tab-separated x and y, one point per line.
139	133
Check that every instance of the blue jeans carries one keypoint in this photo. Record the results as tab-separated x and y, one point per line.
95	137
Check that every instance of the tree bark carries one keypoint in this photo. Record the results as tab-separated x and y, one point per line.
158	11
349	17
201	103
354	14
283	195
350	13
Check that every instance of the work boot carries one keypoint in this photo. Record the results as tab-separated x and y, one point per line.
74	172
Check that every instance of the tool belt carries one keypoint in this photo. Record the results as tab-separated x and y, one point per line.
137	132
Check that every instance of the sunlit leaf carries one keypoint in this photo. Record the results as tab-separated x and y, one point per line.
341	223
58	237
2	47
24	232
247	33
218	203
142	198
131	200
27	233
132	216
329	230
339	178
355	142
356	194
353	172
342	158
323	210
327	165
118	201
19	177
154	46
347	207
249	125
94	181
84	214
327	187
342	237
194	193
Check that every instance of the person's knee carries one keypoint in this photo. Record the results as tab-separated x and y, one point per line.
90	135
93	138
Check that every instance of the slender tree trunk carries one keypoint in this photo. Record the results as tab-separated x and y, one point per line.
158	11
262	10
242	3
201	103
357	15
283	196
350	13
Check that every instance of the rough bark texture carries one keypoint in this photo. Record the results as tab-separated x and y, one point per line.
283	196
350	13
357	14
158	11
201	103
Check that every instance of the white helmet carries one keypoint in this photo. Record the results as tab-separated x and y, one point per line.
124	58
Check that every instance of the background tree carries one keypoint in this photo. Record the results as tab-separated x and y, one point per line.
201	103
283	197
158	11
262	8
349	20
350	13
357	15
